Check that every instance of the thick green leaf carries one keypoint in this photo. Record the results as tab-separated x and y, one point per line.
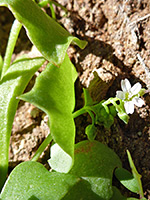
118	196
82	191
60	161
136	175
131	181
30	180
95	163
11	86
46	34
89	179
127	179
54	94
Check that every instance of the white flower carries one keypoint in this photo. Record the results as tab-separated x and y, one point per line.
130	95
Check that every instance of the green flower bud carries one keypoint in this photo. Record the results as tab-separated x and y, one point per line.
91	132
124	117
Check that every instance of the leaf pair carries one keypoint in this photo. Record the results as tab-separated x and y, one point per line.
90	178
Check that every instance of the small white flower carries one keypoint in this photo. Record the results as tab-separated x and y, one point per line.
130	95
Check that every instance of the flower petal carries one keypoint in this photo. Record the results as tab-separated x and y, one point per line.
135	89
120	94
125	85
138	101
129	107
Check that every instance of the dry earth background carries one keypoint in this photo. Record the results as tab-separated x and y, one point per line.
118	35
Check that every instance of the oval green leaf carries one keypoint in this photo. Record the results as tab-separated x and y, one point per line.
127	179
31	180
95	163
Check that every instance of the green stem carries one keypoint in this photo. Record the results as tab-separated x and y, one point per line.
15	30
79	112
112	101
42	147
118	107
1	65
52	10
45	2
92	116
59	5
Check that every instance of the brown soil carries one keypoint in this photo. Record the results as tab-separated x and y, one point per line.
118	35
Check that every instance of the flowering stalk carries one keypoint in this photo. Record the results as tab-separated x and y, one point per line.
119	108
103	113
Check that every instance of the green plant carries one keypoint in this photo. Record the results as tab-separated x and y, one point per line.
79	171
